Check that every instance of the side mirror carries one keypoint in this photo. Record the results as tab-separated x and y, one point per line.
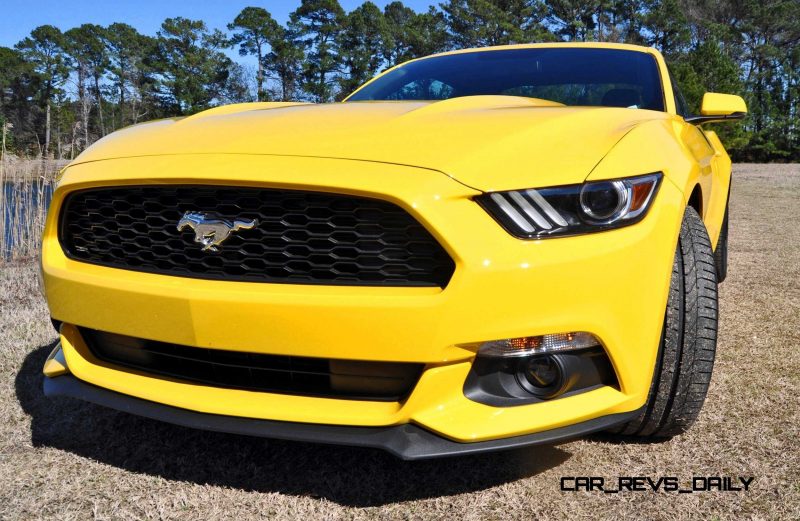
719	107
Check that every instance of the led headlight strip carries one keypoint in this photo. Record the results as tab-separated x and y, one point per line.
572	209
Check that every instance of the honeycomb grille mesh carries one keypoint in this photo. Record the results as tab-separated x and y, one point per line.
301	237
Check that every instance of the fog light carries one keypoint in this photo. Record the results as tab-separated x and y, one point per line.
528	345
541	371
542	376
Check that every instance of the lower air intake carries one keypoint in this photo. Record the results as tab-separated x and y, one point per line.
323	377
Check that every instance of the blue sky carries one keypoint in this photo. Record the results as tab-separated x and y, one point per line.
20	16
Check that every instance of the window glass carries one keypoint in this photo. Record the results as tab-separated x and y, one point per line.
572	76
681	107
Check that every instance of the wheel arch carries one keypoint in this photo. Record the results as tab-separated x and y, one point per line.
696	199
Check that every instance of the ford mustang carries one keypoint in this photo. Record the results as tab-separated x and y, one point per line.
477	250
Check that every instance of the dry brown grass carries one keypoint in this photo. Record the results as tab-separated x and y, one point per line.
23	184
68	460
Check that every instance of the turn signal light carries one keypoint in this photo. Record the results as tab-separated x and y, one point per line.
528	345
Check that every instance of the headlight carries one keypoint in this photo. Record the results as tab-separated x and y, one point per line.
572	209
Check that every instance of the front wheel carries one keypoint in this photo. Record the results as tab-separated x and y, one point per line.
688	341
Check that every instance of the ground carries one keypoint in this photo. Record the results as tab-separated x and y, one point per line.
69	460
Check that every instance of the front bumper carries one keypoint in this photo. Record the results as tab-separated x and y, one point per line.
612	284
405	441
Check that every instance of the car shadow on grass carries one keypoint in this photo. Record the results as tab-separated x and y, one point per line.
348	476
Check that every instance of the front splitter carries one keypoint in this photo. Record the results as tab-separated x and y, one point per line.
406	441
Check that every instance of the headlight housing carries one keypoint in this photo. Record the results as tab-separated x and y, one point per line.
572	209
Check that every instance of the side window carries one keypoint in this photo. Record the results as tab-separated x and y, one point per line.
681	107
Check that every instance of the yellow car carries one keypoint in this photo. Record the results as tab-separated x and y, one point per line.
475	251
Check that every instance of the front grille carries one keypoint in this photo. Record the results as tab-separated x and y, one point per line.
301	237
331	378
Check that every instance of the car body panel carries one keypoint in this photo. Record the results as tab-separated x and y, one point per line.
716	199
431	159
476	140
688	158
486	299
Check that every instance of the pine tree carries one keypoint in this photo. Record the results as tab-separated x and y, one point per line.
193	72
127	52
362	43
479	23
285	62
255	30
44	50
85	49
317	25
412	35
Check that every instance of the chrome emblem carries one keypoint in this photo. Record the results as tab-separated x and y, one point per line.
211	232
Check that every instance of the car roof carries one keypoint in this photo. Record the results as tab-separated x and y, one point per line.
544	45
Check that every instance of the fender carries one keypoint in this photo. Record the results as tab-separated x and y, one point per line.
686	158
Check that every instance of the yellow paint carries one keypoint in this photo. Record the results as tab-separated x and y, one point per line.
715	104
431	159
56	364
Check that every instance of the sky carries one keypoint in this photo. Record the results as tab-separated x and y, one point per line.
21	16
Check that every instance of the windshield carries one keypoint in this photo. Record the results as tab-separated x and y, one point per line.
572	76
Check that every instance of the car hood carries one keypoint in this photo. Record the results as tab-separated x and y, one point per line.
485	142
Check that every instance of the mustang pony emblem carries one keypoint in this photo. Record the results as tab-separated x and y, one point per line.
212	232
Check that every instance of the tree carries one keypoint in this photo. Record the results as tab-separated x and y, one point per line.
770	34
43	49
574	20
666	27
127	52
428	33
237	86
17	88
316	24
761	38
12	67
619	21
285	62
479	23
412	35
255	30
86	50
98	61
750	47
192	71
362	44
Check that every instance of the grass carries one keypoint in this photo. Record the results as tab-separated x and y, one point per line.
69	460
23	184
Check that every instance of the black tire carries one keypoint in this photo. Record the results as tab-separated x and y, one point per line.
688	339
721	253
